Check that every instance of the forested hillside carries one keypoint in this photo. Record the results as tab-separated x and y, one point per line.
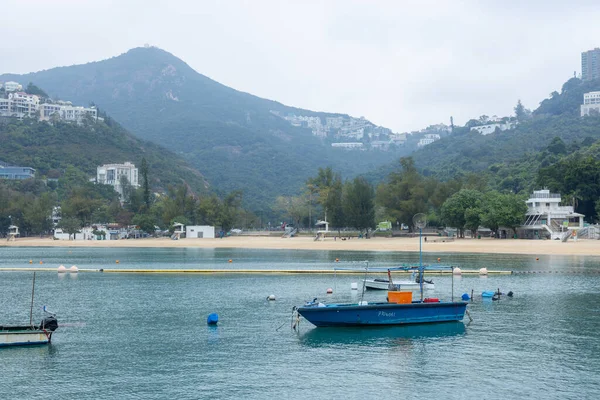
233	138
51	149
509	160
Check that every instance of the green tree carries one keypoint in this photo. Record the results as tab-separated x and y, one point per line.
33	89
292	206
358	204
328	185
231	207
454	210
557	146
70	225
473	220
405	193
38	214
145	182
492	216
514	210
209	210
146	222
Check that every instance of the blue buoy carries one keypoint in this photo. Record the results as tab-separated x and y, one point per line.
465	297
212	319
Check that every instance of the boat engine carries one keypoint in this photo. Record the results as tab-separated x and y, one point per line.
50	323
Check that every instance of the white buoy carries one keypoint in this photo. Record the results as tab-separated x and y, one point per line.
271	297
483	271
354	286
329	290
61	269
456	271
74	269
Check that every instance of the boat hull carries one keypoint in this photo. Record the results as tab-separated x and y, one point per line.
383	313
24	337
372	284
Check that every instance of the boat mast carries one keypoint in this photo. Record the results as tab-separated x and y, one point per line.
362	295
31	309
420	221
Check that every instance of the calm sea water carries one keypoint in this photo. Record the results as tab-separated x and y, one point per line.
144	336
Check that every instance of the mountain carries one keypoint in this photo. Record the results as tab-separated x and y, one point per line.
237	140
50	149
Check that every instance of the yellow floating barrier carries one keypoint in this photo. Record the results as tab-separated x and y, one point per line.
241	271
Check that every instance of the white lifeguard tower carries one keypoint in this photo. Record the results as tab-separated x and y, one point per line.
322	233
546	217
13	232
178	230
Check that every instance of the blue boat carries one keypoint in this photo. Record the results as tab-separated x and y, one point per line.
364	313
399	310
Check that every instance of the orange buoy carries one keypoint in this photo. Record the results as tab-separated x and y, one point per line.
230	260
537	259
41	262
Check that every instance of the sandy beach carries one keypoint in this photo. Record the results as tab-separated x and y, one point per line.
492	246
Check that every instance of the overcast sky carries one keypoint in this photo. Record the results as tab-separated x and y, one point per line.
401	64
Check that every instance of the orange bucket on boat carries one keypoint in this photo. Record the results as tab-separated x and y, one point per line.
400	297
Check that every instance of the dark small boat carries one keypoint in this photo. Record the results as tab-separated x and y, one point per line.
19	335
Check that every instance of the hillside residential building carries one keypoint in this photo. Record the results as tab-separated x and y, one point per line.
545	217
590	65
16	173
591	103
491	128
110	174
349	145
12	86
19	104
428	138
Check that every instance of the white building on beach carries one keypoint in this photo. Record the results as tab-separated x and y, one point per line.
547	218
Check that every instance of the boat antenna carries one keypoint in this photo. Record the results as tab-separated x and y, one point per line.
420	221
362	295
31	309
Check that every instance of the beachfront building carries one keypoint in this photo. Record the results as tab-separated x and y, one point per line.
116	175
199	232
591	103
546	218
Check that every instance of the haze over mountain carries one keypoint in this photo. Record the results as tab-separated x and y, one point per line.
236	140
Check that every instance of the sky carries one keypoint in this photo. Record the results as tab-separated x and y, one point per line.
400	64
